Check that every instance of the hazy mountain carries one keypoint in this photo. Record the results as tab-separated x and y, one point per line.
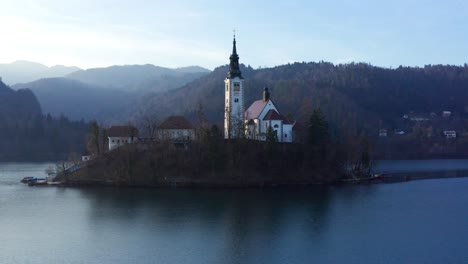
139	77
26	134
192	69
17	104
77	100
25	71
106	94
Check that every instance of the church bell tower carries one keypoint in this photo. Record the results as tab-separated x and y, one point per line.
234	98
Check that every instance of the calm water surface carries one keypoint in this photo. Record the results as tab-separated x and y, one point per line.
413	222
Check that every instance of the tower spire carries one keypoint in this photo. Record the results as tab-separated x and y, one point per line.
234	50
234	70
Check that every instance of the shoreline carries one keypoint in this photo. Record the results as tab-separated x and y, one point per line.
395	178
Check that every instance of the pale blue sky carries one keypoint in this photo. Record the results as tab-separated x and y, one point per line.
96	33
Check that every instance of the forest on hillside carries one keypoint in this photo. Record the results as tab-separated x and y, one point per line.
357	98
26	134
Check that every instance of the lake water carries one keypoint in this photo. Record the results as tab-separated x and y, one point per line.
411	222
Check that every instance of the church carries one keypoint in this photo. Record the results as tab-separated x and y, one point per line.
262	114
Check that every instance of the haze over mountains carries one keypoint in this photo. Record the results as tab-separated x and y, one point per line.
26	71
138	77
106	94
77	100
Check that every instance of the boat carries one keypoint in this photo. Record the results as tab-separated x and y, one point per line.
27	179
38	182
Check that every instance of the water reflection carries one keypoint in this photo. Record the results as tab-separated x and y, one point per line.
413	222
238	223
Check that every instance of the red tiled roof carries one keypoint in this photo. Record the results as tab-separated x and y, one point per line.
287	122
273	115
122	131
297	126
255	109
176	122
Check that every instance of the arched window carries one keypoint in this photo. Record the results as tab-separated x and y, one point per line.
236	100
275	126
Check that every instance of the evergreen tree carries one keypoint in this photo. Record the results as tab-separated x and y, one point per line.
271	136
213	139
93	140
318	136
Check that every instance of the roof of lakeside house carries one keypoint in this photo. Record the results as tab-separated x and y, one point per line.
176	122
255	109
122	131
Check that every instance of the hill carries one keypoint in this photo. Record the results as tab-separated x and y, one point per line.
18	104
77	100
26	71
25	134
356	97
139	77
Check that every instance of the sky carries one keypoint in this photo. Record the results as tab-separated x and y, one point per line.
99	33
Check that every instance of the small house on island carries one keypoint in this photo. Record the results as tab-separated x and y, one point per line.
121	135
86	156
176	128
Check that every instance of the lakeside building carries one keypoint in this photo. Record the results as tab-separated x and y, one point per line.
121	135
259	117
177	129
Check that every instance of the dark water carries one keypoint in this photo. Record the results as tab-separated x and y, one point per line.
413	222
397	166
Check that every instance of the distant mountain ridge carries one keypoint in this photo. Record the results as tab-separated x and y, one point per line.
26	71
145	77
139	77
77	100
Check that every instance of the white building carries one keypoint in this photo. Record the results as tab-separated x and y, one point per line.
85	158
446	114
450	134
176	128
383	132
262	114
121	135
234	98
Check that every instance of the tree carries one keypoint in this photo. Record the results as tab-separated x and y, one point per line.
93	140
200	128
318	130
271	136
149	123
363	166
213	140
271	142
104	139
237	126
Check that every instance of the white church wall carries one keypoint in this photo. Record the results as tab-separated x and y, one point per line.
287	133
